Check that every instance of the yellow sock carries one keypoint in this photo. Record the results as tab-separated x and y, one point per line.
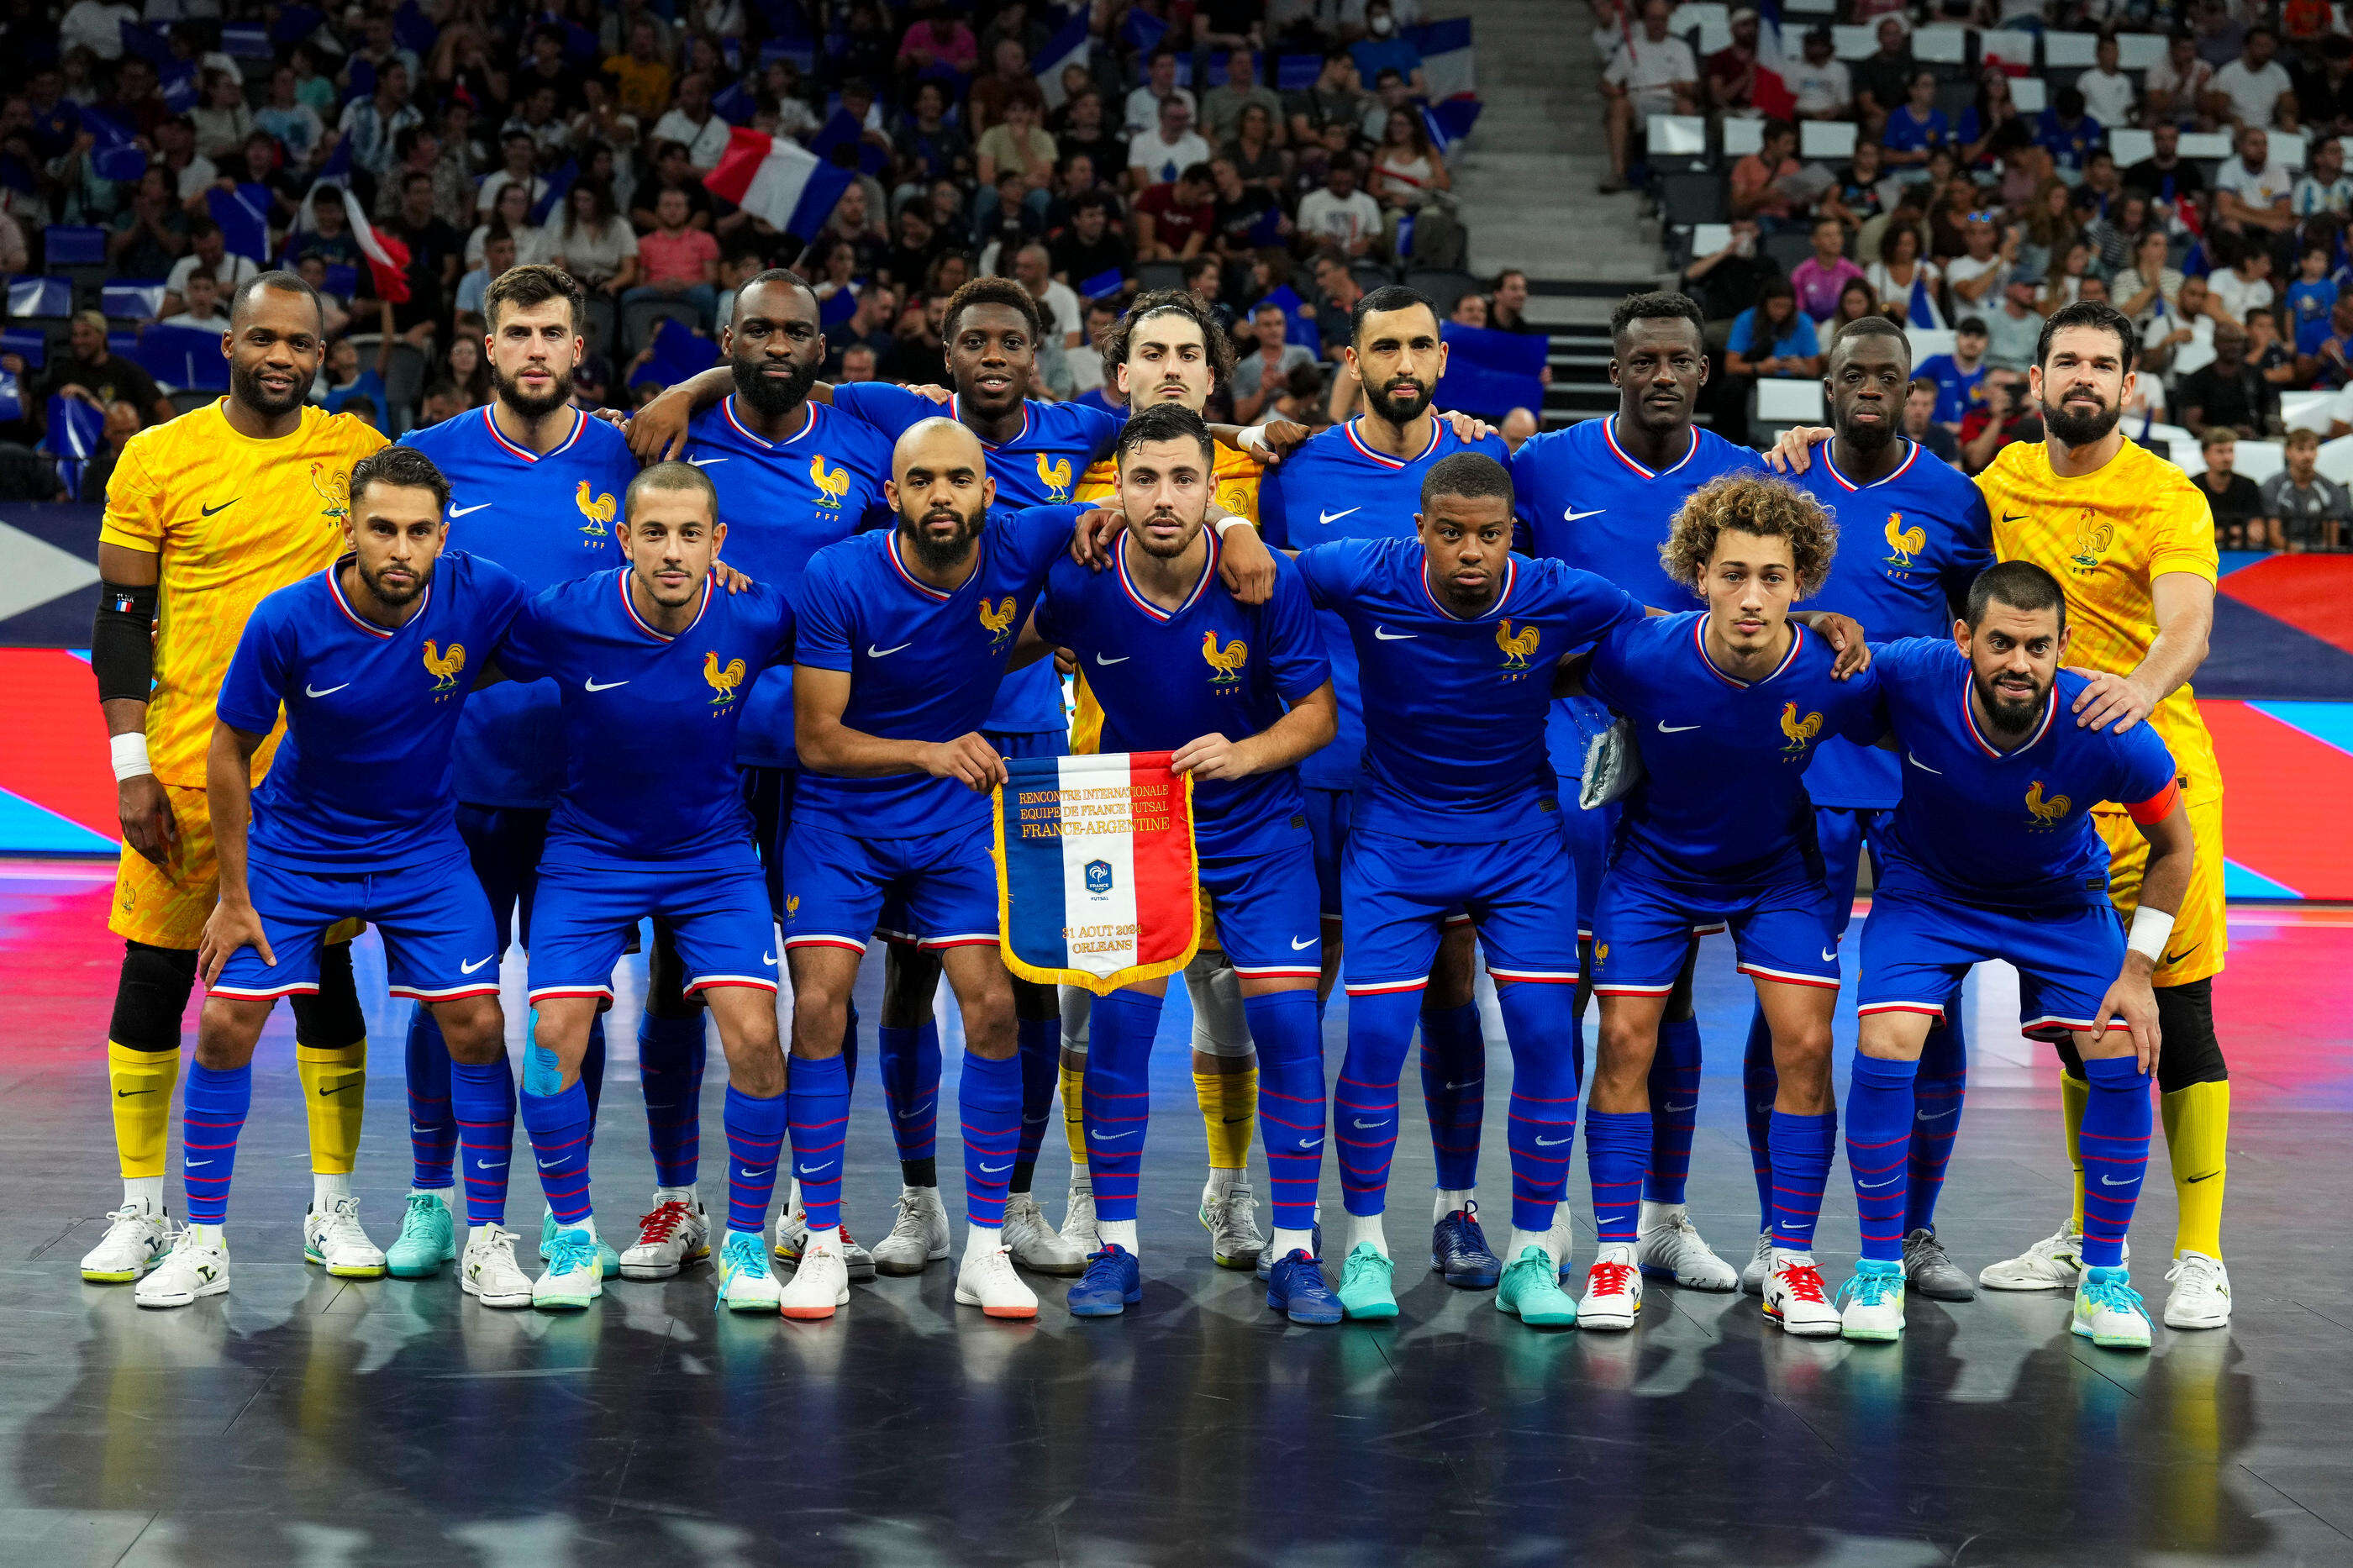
2196	1142
334	1095
143	1082
2074	1093
1074	1119
1229	1107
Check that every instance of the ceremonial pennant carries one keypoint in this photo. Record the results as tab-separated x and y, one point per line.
1096	878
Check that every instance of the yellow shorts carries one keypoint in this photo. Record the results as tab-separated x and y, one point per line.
2202	934
167	905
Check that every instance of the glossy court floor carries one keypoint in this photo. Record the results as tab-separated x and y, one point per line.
305	1420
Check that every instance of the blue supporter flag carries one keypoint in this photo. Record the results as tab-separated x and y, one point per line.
1070	46
1298	324
246	41
1144	30
147	44
559	184
39	297
12	398
295	23
676	352
183	357
734	105
836	308
1491	372
843	131
1296	72
132	302
243	214
1104	284
180	93
413	28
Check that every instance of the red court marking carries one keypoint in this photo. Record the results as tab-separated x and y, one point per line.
56	755
2309	592
2283	802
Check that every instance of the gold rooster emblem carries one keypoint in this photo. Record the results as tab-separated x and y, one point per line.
1226	661
1055	476
2092	541
831	484
1800	731
444	666
1905	543
1516	649
997	617
2047	813
334	491
792	905
598	509
722	681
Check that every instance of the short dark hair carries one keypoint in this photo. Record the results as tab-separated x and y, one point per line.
2021	584
403	467
1873	326
1114	343
1661	306
1164	422
284	283
1389	297
784	275
532	284
1002	291
669	476
2091	313
1473	475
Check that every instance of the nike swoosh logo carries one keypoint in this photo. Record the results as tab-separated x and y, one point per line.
813	1170
1328	518
590	685
767	958
1123	658
873	652
1936	1115
1577	516
224	506
1667	729
749	1175
309	690
1830	955
1311	1144
2174	958
469	968
456	511
703	462
127	1093
1361	1124
2112	1182
491	1165
1870	1186
2008	517
1109	1137
337	1089
1552	1142
191	1164
993	1170
2186	1181
1382	634
1296	946
1687	1105
1921	766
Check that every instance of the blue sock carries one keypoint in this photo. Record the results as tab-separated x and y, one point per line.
482	1096
1118	1104
911	1088
432	1130
1455	1091
592	1071
1674	1109
670	1056
558	1125
1617	1148
850	1044
1878	1151
1540	1020
212	1113
2115	1142
1760	1085
988	1104
1802	1149
818	1093
1282	1025
1365	1099
755	1140
1041	1042
1936	1113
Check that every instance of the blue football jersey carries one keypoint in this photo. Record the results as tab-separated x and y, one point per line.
1958	389
783	501
1301	505
1722	797
650	720
2006	830
363	777
923	665
1454	709
1039	467
1212	666
547	518
1909	546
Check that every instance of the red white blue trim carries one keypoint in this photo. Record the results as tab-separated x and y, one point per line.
1386	987
955	411
1128	583
1901	468
727	410
306	988
1383	458
891	549
714	981
1534	976
381	633
414	993
967	939
848	944
1599	990
1510	581
1789	977
579	423
1609	438
1699	641
550	993
1969	719
1925	1009
709	586
1276	972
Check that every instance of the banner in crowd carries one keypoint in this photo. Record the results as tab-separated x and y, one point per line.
1095	879
1489	373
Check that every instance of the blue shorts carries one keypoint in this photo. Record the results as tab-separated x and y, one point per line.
1265	909
1400	893
504	843
439	940
1915	951
942	888
719	918
1642	928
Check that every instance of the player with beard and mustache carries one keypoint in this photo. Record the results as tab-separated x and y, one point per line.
207	515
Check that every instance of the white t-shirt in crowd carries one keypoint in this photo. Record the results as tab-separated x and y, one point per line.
232	271
1143	110
2238	296
2256	187
2252	93
1820	89
1164	160
1648	71
1062	302
1328	216
2108	97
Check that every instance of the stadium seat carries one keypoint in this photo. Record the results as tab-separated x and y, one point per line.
1742	137
2017	48
30	344
1161	275
1830	138
1778	403
1789	247
1694	198
2139	51
2130	146
76	245
1445	288
2032	94
1369	274
2070	49
1940	45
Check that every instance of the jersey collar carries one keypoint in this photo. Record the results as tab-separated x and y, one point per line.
579	424
955	411
1128	583
1503	600
1383	458
381	633
1699	645
1994	752
709	586
1902	469
727	409
937	596
1609	437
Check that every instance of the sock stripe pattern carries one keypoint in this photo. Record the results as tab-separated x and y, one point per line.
558	1125
1290	1102
1760	1085
755	1141
911	1086
1936	1096
1674	1109
671	1053
213	1112
817	1099
2116	1124
1119	1097
1879	1134
483	1100
1802	1147
1455	1091
988	1106
1617	1148
432	1125
1365	1097
1041	1048
1540	1023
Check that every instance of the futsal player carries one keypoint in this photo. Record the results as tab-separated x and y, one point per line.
369	661
1238	694
204	517
1993	854
653	662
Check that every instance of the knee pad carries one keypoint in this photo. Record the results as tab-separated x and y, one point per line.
666	995
331	1019
150	996
2187	1051
1218	1026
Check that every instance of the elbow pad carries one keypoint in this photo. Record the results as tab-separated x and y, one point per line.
123	642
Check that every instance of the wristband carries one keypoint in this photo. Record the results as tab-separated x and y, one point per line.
130	755
1254	436
2151	929
1224	524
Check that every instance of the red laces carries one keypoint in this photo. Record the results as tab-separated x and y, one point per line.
1611	1279
656	1226
1804	1281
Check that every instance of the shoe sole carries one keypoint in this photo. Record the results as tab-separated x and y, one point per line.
1111	1310
561	1303
416	1271
901	1271
1870	1336
500	1303
117	1277
811	1314
1829	1330
1605	1322
2222	1322
1944	1292
1480	1280
1716	1287
2108	1343
1543	1319
769	1308
650	1271
966	1298
861	1273
1372	1312
1236	1262
152	1304
352	1270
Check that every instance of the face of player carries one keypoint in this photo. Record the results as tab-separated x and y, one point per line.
1167	361
2083	384
2014	656
775	348
939	483
1659	371
1465	540
1870	377
672	538
990	357
533	351
396	533
274	348
1398	358
1164	488
1751	579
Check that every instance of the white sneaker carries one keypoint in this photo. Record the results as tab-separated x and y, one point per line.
1872	1301
488	1270
1235	1240
1613	1290
792	1234
2200	1297
672	1235
1795	1299
2050	1264
747	1284
1079	1222
1036	1245
819	1285
134	1242
1760	1264
987	1281
189	1270
1674	1247
335	1241
919	1236
574	1276
2109	1311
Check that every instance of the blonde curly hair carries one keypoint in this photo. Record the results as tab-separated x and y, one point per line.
1750	503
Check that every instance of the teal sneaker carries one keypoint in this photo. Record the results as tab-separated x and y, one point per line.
746	1282
428	1238
1871	1305
2108	1310
610	1259
1365	1293
1530	1291
574	1278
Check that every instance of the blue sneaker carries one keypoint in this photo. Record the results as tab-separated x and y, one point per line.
1871	1303
1112	1283
1267	1259
428	1238
1296	1288
1458	1249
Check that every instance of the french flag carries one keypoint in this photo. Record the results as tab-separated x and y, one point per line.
782	181
388	256
1095	869
1068	47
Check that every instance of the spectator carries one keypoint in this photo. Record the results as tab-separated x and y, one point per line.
1009	82
1247	216
1854	302
95	25
693	126
1093	246
2068	132
2324	91
521	153
208	252
2237	502
2015	328
2165	176
203	309
222	122
1174	221
1205	279
1407	171
590	241
1301	399
1726	282
343	378
2049	229
1221	106
1772	337
2311	301
935	44
294	123
370	124
1732	69
2227	393
1863	192
1651	73
1906	283
1820	82
2249	91
151	233
1086	366
498	256
1163	152
1019	145
1338	293
2107	90
1920	421
1336	97
641	75
1976	277
1268	364
672	172
2241	288
1960	377
1339	214
1882	82
1470	310
1917	127
2111	232
1085	132
860	361
2147	290
868	327
90	372
2064	284
913	244
2325	188
929	145
1058	307
2186	344
434	252
175	146
2329	365
1252	150
1820	278
2007	415
2300	510
1507	304
678	262
1385	47
2268	357
2251	190
514	215
1144	110
1762	180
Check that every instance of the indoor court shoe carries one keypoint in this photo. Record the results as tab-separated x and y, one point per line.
792	1234
605	1255
1795	1299
1235	1240
2109	1311
2050	1264
919	1236
1760	1264
1930	1270
2202	1293
1458	1249
1613	1290
1112	1283
134	1242
1530	1291
673	1235
428	1238
189	1270
987	1281
488	1271
1364	1290
1267	1260
335	1241
1675	1248
574	1276
1035	1244
1078	1221
819	1285
747	1284
1871	1303
1296	1288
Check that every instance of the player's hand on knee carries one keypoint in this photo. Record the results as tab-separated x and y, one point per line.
148	824
2131	1002
2109	699
230	926
967	758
